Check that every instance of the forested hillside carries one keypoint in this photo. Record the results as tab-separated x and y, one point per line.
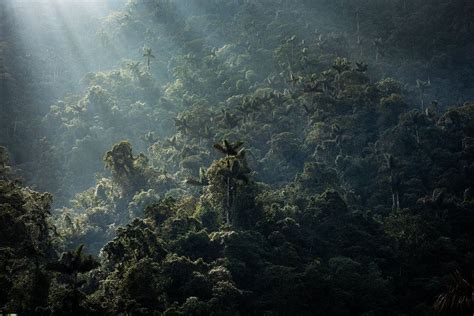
236	157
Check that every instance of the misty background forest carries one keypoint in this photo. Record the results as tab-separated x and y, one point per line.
236	157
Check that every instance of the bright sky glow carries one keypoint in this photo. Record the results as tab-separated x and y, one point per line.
58	36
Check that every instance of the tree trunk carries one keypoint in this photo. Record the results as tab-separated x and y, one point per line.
228	202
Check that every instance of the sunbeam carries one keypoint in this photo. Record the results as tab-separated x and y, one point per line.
59	33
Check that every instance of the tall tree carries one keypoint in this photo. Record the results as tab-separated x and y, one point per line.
148	54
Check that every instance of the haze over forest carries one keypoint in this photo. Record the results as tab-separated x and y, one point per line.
236	157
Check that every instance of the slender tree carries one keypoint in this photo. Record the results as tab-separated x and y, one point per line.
148	54
422	86
394	180
71	264
378	45
235	171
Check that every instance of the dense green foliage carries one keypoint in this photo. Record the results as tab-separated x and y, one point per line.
290	165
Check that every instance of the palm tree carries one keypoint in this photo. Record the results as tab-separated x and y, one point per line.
235	171
394	180
294	79
148	54
359	43
230	149
457	300
341	65
326	79
361	67
416	119
134	68
422	86
71	264
357	11
378	45
291	41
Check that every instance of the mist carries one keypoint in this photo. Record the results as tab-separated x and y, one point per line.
236	157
